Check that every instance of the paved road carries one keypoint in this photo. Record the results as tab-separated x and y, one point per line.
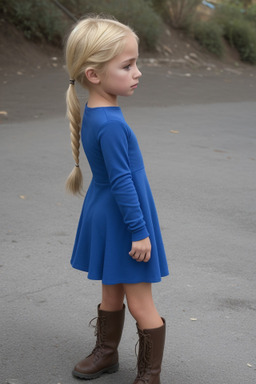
203	178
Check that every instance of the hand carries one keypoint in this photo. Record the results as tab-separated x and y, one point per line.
141	250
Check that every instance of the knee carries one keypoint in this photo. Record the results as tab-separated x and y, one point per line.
139	310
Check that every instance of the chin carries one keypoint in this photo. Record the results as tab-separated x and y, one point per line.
127	94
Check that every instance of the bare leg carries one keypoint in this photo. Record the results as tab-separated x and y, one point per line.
112	297
141	305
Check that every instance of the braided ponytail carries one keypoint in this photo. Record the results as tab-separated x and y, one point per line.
75	179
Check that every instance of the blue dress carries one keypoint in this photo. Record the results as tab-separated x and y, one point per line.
118	207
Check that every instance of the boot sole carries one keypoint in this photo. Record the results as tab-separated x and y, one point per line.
90	376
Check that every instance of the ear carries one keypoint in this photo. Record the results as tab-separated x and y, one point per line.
92	76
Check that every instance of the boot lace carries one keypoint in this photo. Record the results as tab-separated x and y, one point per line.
100	333
144	357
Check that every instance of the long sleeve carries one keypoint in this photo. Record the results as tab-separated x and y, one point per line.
114	139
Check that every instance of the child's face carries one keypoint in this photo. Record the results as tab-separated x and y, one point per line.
121	74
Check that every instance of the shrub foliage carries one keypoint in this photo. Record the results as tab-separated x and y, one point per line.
139	14
43	20
209	35
241	35
38	19
234	22
238	29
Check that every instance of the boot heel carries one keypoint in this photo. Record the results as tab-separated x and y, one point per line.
113	369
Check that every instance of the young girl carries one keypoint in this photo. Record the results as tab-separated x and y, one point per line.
118	238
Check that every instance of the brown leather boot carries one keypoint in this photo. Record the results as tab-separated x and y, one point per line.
104	357
151	348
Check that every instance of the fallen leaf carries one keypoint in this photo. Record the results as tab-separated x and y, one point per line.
23	197
4	113
219	151
172	131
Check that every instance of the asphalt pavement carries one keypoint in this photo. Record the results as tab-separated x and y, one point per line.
198	139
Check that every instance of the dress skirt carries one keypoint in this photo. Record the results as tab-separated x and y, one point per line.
103	243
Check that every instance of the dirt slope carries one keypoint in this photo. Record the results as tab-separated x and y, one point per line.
20	56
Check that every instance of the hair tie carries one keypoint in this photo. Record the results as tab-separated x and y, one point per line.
77	165
72	82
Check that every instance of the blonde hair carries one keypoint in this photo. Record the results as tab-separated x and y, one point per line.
92	43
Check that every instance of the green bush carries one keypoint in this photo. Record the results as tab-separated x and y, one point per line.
238	30
43	20
250	14
209	35
225	13
38	19
139	14
242	35
162	8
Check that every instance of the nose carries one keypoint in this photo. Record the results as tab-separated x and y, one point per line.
137	73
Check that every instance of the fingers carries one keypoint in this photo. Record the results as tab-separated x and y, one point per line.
138	257
147	257
141	257
141	250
